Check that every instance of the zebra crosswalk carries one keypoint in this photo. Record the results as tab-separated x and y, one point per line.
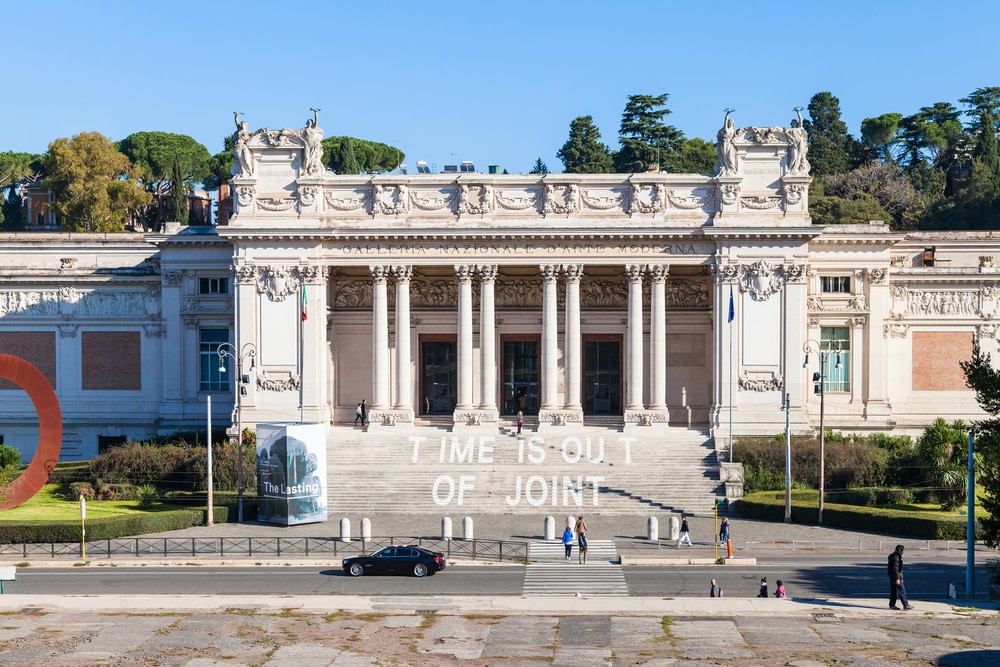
549	573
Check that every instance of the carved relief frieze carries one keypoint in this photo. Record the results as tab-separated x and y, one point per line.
245	195
895	330
561	200
859	322
640	202
245	274
307	194
519	202
68	330
29	303
475	199
477	417
438	200
602	293
277	282
760	203
878	276
645	417
155	330
942	302
987	330
794	273
103	303
987	262
762	279
686	203
395	199
281	382
436	293
793	192
730	193
761	381
276	204
172	278
899	261
604	200
66	263
355	201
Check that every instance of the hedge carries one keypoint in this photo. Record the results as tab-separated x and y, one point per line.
768	506
127	525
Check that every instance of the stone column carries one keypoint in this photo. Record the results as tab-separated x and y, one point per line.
634	351
315	351
550	338
658	337
404	399
464	275
573	273
873	342
487	336
380	337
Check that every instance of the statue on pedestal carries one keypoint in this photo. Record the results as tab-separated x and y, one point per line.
312	140
243	165
726	147
798	145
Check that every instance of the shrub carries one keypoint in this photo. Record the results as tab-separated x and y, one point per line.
147	494
9	457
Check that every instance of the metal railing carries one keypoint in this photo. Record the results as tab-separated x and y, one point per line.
276	547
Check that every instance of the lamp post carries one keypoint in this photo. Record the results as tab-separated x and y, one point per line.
820	388
228	350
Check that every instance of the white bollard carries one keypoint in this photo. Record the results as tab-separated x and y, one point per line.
549	528
675	528
653	529
345	529
467	533
446	528
571	523
366	529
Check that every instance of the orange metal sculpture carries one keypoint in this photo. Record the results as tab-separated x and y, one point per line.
40	392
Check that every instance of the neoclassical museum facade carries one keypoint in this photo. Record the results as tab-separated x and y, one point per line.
632	302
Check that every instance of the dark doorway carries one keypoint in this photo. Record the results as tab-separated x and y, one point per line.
520	376
602	376
439	377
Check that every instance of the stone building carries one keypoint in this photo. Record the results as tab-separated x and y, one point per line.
635	303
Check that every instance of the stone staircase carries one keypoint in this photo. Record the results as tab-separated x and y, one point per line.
433	471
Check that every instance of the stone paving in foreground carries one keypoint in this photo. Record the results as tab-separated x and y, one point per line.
241	636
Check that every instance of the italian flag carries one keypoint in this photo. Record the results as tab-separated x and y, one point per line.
305	304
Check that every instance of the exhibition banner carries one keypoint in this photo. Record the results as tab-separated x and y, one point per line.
291	473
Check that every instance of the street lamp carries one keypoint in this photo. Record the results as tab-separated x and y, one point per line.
228	350
820	388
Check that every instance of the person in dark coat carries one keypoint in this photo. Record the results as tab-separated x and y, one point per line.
897	591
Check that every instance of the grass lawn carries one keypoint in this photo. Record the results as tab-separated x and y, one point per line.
48	505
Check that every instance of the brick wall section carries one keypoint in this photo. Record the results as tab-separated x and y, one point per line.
111	360
36	347
935	360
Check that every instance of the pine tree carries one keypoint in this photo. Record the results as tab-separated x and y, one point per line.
539	167
645	139
347	162
178	197
830	146
584	152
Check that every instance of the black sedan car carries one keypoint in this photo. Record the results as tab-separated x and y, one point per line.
396	560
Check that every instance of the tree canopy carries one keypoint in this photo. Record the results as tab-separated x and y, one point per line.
369	157
156	154
94	186
584	152
981	376
645	139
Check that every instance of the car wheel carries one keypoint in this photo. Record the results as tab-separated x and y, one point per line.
356	570
419	570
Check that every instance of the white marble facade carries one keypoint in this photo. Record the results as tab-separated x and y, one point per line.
391	267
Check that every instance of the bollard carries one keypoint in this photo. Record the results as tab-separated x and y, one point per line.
446	528
729	548
345	529
675	528
467	533
549	528
366	529
571	522
652	529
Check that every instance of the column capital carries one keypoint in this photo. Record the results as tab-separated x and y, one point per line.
573	272
488	272
549	272
379	274
634	272
464	272
402	272
658	272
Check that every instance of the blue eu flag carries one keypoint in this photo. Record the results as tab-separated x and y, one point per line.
732	306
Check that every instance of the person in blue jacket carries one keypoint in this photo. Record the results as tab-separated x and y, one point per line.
567	540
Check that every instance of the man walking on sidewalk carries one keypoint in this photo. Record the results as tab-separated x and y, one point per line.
897	591
685	534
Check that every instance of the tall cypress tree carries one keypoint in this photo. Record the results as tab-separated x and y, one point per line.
178	197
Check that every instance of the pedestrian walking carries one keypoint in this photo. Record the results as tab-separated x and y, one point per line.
567	540
715	591
685	533
897	591
724	530
779	592
364	411
359	415
581	539
762	591
520	421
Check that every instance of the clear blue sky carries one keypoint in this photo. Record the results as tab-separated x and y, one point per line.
492	82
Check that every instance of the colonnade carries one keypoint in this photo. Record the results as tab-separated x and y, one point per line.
401	398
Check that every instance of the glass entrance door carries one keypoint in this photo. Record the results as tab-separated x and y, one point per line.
520	377
602	377
439	377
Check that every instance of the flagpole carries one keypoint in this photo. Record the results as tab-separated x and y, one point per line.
732	315
303	299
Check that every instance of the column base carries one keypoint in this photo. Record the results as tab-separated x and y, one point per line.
477	417
644	419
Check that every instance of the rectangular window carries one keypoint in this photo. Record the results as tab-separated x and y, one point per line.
213	285
211	379
839	284
837	379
